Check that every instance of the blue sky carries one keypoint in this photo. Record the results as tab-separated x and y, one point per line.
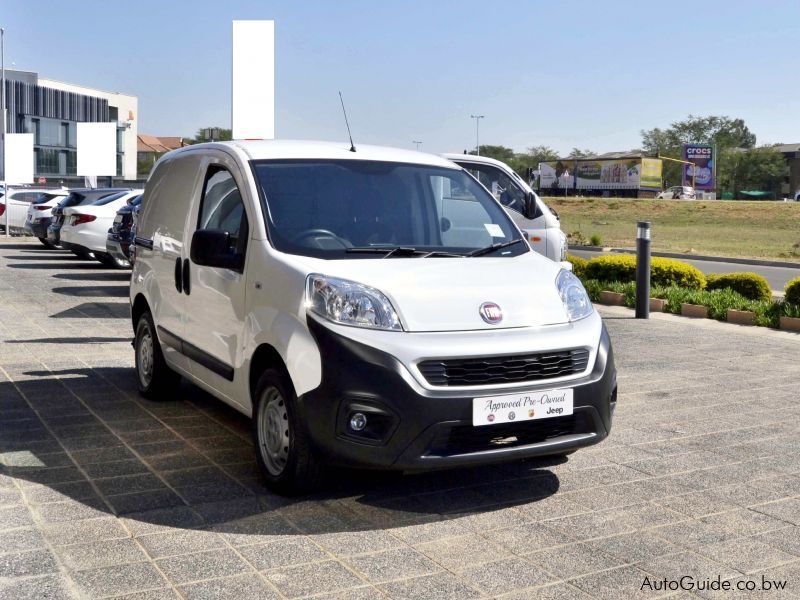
564	74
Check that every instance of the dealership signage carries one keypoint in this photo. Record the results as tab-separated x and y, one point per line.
703	169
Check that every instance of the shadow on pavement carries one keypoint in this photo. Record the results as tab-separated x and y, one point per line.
113	291
122	276
88	264
99	310
84	445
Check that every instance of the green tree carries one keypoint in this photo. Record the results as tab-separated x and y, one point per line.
225	135
760	168
496	152
722	131
531	158
578	153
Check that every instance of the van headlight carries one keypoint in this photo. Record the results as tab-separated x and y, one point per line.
350	303
573	295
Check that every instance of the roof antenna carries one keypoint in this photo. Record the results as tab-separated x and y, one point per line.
352	145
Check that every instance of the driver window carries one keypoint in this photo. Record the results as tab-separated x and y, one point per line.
500	185
222	208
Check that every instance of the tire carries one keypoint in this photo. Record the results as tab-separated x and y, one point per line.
46	243
282	446
109	261
153	376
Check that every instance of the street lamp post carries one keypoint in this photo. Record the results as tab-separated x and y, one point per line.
477	132
3	114
417	143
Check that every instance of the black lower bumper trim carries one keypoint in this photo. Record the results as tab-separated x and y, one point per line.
430	429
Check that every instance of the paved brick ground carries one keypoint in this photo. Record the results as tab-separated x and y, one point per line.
105	494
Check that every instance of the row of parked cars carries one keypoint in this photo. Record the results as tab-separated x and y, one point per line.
90	222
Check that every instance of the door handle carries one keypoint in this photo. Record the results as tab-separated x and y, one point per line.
187	283
178	275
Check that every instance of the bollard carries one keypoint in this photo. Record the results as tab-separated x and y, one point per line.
643	270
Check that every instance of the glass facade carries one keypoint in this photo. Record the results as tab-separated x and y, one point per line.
55	143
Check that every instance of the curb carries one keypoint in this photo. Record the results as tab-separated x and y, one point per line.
723	259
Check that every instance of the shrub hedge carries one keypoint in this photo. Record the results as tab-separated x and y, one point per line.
663	271
578	264
767	313
792	290
750	285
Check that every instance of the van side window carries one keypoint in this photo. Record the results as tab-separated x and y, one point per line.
222	208
501	185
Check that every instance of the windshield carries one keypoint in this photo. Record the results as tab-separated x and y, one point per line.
364	209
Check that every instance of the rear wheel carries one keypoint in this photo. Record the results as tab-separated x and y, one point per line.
153	375
282	446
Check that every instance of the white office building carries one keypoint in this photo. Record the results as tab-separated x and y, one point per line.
51	109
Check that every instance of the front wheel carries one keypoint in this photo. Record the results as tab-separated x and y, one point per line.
282	446
153	375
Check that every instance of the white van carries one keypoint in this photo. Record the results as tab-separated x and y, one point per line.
374	308
537	220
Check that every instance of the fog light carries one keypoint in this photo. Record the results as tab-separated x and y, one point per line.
358	421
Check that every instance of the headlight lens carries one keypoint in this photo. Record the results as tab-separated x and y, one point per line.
350	303
573	295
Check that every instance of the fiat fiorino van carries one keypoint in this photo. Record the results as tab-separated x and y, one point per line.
372	307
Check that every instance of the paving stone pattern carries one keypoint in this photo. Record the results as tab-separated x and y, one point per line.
104	494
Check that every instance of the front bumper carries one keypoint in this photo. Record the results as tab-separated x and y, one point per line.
415	428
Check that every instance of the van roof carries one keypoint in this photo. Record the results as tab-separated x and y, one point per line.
305	149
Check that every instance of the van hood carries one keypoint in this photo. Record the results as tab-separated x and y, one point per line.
446	294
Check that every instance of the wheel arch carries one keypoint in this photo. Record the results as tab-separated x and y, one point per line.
138	308
266	357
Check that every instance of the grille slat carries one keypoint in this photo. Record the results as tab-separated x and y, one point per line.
520	368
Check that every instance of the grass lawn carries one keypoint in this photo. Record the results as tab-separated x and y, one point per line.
717	227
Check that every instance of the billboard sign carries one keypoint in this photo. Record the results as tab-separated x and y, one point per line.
704	167
253	83
97	149
651	173
551	174
19	158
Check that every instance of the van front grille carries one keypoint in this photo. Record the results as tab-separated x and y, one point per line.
518	368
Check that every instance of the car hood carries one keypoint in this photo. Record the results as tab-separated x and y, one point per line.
446	294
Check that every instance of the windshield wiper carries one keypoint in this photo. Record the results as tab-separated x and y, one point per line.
493	247
400	251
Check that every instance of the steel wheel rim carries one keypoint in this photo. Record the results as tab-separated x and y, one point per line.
144	355
273	430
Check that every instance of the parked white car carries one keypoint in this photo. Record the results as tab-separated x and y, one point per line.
376	308
85	227
539	222
677	192
39	214
17	202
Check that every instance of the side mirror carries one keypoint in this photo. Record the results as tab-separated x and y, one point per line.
211	248
532	210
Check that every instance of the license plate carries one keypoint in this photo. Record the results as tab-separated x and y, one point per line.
526	406
118	219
